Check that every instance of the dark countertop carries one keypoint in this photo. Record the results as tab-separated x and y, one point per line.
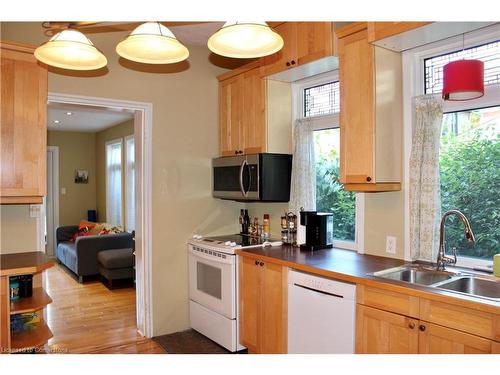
347	265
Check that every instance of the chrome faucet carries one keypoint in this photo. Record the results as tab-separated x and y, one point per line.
442	259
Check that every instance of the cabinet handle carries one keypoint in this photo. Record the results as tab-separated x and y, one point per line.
288	63
368	179
293	62
261	264
411	325
422	328
256	262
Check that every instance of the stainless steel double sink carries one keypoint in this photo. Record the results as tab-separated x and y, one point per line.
469	284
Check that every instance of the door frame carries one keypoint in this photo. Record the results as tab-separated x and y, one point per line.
143	127
55	196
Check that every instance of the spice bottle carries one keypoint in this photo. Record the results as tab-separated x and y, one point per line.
266	226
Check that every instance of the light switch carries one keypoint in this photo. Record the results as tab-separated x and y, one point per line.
63	191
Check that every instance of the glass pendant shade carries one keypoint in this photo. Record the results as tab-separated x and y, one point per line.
152	43
463	80
245	40
70	49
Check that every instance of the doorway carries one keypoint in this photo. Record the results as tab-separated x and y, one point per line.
142	114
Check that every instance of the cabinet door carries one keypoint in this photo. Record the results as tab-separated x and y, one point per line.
382	332
254	130
230	114
435	339
23	128
273	310
357	116
287	57
314	41
249	281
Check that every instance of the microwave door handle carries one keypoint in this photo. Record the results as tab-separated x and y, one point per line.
249	178
242	188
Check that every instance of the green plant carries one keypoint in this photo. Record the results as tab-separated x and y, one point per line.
331	196
470	177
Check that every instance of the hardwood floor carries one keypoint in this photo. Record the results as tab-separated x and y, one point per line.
90	318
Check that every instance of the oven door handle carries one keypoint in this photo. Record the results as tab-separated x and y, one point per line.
242	188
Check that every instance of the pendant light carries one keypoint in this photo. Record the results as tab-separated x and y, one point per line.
70	49
463	79
245	40
152	43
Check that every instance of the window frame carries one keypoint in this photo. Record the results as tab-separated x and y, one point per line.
126	178
109	143
414	85
325	122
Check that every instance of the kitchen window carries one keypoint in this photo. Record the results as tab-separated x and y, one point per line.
469	160
318	99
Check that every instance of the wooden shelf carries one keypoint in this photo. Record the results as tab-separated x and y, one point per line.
37	301
24	263
30	338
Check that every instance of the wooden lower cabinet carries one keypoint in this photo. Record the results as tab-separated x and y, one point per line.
435	339
263	306
382	332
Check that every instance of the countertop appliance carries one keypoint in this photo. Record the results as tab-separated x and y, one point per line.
256	177
319	230
213	286
321	315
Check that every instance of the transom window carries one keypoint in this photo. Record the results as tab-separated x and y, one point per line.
322	99
488	53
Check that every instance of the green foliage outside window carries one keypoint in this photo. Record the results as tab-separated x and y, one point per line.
470	179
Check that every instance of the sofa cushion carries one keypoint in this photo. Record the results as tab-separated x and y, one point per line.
116	258
66	253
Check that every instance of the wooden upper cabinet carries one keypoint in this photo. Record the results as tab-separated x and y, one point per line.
262	309
23	138
304	42
381	30
242	114
382	332
370	114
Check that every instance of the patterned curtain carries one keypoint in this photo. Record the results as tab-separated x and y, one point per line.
303	189
425	194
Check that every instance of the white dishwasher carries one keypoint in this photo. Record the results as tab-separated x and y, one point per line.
321	315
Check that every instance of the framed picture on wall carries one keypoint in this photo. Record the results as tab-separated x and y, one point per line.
81	176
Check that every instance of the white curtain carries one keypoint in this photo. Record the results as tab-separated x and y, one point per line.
303	188
114	183
425	194
130	185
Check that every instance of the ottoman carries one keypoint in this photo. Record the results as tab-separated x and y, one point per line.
116	264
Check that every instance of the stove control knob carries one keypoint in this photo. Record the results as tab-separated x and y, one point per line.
227	243
233	243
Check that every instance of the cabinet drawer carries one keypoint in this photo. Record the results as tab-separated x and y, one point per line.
461	318
388	300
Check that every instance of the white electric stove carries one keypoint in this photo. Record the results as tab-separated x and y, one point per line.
213	286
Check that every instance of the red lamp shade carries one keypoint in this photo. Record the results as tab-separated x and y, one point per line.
463	80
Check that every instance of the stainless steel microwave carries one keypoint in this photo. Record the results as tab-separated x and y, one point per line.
257	177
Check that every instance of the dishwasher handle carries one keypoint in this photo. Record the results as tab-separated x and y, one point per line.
318	291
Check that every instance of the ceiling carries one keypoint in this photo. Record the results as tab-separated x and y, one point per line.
84	118
196	34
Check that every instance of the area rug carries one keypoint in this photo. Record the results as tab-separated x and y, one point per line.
189	342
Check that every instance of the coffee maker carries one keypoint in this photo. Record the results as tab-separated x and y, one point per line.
319	230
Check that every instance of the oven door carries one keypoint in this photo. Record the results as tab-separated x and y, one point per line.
212	280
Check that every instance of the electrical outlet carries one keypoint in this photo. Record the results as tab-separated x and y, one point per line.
390	245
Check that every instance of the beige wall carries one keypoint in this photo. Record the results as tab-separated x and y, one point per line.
76	151
18	231
118	131
185	138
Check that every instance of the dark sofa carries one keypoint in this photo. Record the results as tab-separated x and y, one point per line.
81	256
